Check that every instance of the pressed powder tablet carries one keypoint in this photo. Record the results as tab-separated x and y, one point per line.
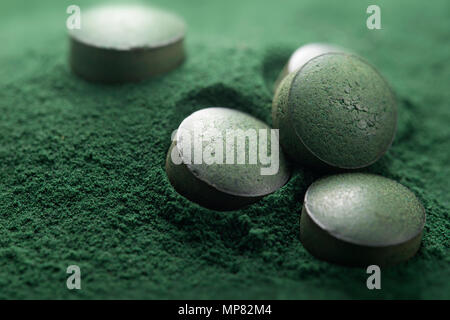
303	55
122	43
360	219
335	111
217	159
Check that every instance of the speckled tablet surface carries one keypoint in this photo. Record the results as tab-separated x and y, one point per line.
235	158
302	55
348	213
336	110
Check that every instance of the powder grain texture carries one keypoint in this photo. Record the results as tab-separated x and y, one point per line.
82	177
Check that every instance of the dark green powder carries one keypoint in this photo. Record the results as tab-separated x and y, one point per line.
82	177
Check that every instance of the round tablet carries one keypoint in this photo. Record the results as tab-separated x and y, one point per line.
360	219
121	43
303	55
224	159
335	111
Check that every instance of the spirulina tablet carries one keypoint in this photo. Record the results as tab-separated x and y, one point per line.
220	159
335	111
302	55
123	43
360	219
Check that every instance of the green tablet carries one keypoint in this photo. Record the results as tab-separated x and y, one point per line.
224	159
335	111
360	219
123	43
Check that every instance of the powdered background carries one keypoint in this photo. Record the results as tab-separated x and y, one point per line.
82	177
